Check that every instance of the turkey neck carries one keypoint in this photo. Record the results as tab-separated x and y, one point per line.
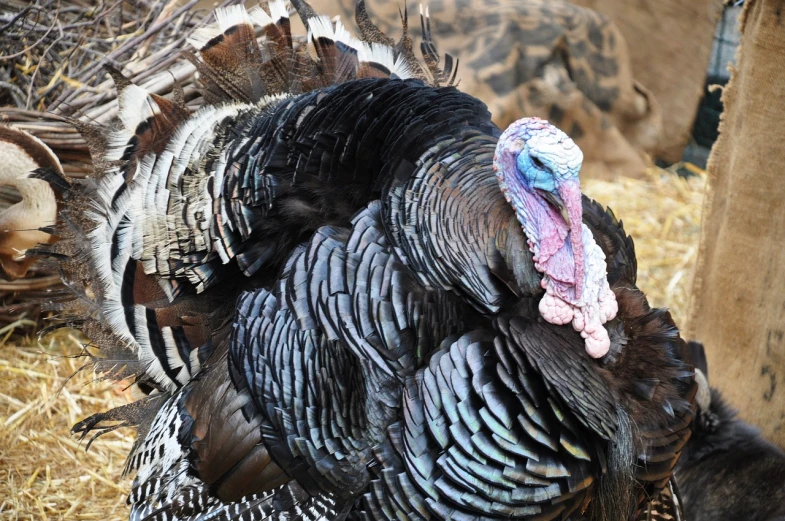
455	230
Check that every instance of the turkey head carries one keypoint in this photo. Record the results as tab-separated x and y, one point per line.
537	167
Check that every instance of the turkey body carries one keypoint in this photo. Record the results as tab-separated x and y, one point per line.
333	311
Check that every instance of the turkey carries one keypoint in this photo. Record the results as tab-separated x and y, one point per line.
343	292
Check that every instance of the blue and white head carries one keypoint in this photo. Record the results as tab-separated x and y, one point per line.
537	166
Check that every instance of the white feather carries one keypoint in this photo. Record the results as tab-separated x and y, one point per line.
260	17
343	35
117	141
163	223
136	106
195	365
154	229
320	26
278	10
201	36
402	69
107	216
377	53
173	356
230	16
323	27
153	366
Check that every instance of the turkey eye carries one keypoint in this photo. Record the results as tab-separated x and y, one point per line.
537	162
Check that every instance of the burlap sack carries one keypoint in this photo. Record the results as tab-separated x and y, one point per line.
545	58
738	303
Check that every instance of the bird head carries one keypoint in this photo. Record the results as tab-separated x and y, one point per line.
537	167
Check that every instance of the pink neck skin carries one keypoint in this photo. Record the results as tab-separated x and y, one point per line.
560	260
570	193
574	271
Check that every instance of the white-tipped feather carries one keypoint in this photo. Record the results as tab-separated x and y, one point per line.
324	27
173	356
154	229
230	16
344	36
116	144
260	17
108	218
320	26
377	53
136	106
148	234
201	36
195	365
278	10
402	68
153	366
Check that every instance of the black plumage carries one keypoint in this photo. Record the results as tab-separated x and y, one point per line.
728	470
333	307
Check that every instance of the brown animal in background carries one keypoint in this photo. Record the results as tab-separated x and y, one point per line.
727	470
20	223
545	58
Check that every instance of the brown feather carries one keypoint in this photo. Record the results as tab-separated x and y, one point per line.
235	60
304	10
154	134
405	46
368	30
227	443
119	79
276	71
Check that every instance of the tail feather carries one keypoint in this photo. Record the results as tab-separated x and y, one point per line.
405	46
305	11
431	54
234	68
337	52
368	30
232	63
167	216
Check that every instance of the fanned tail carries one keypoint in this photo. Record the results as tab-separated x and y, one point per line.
148	242
235	68
438	75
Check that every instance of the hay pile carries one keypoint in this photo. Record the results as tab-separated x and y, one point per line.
662	213
45	473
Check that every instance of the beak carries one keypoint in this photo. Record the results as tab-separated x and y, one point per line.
558	204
